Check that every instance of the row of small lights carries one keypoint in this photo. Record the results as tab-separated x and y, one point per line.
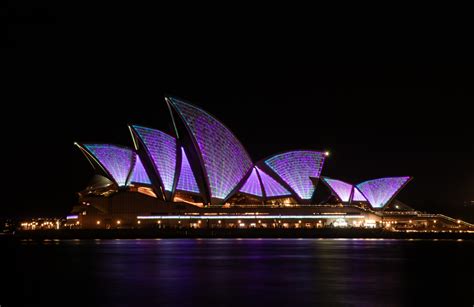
199	222
434	221
219	221
239	221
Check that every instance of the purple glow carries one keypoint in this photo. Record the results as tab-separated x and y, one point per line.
139	174
225	160
272	188
162	150
342	189
252	185
187	181
296	168
380	191
116	160
358	195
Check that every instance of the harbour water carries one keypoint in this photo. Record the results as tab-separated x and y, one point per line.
238	272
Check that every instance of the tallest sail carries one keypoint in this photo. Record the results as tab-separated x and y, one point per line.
224	160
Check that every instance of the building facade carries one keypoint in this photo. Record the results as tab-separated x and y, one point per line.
200	175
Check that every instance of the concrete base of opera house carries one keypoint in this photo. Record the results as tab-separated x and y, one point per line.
131	210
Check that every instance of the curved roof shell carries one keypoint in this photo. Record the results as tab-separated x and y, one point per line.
161	149
120	164
296	168
381	191
224	160
209	160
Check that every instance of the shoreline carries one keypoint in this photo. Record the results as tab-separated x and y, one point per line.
231	233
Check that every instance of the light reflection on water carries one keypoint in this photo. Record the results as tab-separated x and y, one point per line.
247	272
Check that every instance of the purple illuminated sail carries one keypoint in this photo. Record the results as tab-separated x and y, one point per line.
187	181
252	185
271	186
161	148
340	188
117	161
296	168
225	160
358	196
139	174
380	191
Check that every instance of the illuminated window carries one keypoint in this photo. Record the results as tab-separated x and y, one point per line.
342	189
271	186
358	196
252	185
139	174
187	181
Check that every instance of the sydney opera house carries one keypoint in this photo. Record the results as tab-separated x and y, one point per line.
200	175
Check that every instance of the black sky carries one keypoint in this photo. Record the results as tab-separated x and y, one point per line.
382	107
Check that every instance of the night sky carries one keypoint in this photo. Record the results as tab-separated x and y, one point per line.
384	109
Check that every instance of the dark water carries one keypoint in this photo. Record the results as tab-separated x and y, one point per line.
239	272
